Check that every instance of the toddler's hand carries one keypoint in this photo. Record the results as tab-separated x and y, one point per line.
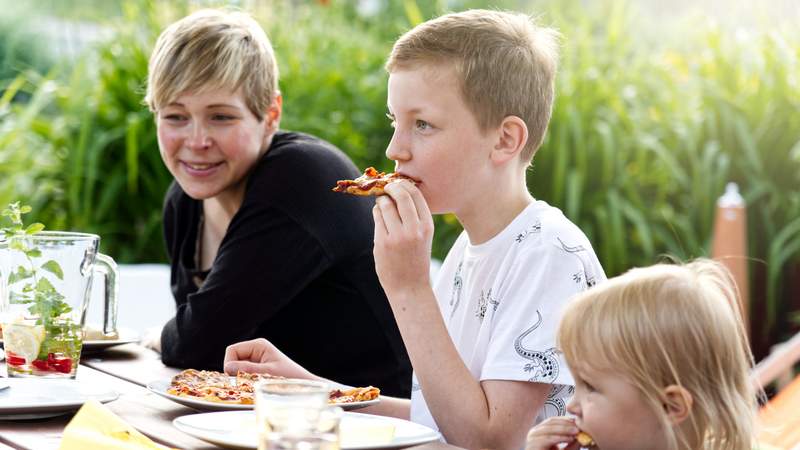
553	431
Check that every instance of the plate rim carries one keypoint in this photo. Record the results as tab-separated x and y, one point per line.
127	336
8	411
208	436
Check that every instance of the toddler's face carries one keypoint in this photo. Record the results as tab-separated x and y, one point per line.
613	411
436	138
209	141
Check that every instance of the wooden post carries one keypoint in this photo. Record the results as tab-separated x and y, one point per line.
729	243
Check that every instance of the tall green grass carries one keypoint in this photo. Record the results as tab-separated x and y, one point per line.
645	133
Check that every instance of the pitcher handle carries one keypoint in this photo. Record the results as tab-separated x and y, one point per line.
106	266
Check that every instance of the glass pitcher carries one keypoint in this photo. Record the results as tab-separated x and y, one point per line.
45	287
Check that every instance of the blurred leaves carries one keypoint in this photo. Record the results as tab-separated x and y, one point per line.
645	132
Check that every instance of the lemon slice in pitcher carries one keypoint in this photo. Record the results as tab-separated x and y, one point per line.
23	340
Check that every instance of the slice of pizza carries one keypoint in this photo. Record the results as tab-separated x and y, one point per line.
371	183
352	395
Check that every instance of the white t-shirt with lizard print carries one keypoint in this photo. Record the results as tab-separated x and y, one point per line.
502	301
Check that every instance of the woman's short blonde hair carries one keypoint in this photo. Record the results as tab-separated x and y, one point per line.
505	62
213	49
672	325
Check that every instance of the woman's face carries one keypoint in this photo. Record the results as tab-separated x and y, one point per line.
210	141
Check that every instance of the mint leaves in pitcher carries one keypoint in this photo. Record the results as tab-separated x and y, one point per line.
46	302
41	337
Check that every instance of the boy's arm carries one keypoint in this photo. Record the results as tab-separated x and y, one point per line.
469	413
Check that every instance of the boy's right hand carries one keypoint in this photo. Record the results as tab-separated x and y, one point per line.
261	356
553	431
403	236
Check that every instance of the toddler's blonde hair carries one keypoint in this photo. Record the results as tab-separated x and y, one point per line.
505	63
672	325
213	49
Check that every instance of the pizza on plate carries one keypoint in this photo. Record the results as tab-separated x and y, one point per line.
371	183
218	387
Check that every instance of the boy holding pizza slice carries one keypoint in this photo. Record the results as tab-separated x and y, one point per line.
470	95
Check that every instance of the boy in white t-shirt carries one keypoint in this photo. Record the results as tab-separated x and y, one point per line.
470	95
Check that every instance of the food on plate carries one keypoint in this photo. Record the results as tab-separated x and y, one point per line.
585	440
91	333
218	387
371	183
360	394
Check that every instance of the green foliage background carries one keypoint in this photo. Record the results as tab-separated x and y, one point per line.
645	132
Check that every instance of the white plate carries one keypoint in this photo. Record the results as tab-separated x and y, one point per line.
237	429
33	398
126	336
160	387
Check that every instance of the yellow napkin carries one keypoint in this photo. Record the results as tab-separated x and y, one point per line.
95	426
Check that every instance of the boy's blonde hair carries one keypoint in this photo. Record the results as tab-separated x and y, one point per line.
505	63
671	325
213	49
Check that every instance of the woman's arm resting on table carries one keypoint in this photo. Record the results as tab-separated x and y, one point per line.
261	356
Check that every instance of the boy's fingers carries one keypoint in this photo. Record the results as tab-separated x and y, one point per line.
419	201
406	206
388	210
380	225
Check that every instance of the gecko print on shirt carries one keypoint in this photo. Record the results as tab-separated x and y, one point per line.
556	403
455	296
571	249
535	228
483	301
544	364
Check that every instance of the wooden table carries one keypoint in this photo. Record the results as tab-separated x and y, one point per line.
125	369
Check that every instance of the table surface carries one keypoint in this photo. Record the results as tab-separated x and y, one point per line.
125	369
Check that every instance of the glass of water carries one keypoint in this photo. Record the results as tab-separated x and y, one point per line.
294	415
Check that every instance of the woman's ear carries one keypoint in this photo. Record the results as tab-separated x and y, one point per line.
511	139
677	402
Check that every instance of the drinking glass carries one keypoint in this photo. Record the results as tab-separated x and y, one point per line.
294	415
45	286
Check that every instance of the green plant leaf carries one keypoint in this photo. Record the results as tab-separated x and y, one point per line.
18	298
34	228
33	253
18	245
54	268
44	286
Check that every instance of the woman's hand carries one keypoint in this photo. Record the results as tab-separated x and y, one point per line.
553	431
260	356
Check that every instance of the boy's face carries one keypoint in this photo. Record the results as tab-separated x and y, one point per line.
209	141
613	411
436	138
